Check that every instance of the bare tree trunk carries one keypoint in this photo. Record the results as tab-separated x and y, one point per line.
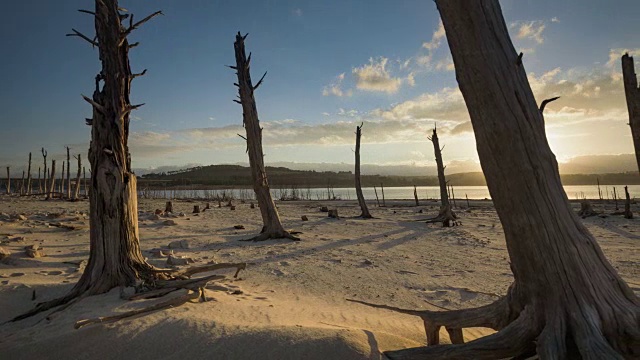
567	300
115	259
22	184
468	206
29	176
599	192
415	195
376	192
446	215
627	205
363	205
39	180
45	173
68	174
62	180
52	181
382	190
632	93
272	227
615	198
84	181
8	180
76	193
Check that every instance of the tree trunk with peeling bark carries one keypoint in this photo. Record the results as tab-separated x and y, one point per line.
363	205
567	301
115	259
272	227
446	215
632	93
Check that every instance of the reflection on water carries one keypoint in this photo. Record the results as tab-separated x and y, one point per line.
401	193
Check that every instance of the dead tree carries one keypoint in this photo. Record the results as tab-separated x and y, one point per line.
415	195
52	181
376	192
363	205
29	176
62	179
22	184
84	181
44	174
627	205
8	180
76	192
115	259
39	180
599	191
382	190
632	93
68	173
615	198
272	227
446	215
567	301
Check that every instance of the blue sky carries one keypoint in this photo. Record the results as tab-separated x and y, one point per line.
331	65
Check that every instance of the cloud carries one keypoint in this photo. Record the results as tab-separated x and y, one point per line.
436	38
297	12
530	30
555	20
375	76
445	105
462	128
335	88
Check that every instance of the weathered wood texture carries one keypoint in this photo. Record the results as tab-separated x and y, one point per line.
44	171
567	300
632	93
52	180
446	215
272	227
363	204
76	192
28	191
627	204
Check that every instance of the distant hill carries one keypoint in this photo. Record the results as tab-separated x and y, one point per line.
236	175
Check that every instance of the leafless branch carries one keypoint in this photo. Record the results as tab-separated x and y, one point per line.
82	36
260	81
545	102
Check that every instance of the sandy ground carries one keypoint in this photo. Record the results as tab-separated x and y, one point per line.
290	302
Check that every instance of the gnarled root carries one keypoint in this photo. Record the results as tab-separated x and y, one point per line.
155	284
607	330
515	339
446	216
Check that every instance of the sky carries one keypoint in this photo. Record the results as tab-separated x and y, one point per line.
331	66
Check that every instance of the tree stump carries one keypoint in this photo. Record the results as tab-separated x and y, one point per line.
196	209
168	207
333	213
586	210
627	205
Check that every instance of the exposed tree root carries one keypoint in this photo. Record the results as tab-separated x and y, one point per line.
272	235
189	296
156	285
523	331
514	340
446	216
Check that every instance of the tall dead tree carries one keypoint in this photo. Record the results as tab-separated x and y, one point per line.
567	301
76	192
363	205
44	174
39	180
272	227
627	205
446	215
84	181
29	176
8	180
415	195
68	173
632	93
62	180
52	180
115	259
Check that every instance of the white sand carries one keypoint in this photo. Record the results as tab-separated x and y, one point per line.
292	304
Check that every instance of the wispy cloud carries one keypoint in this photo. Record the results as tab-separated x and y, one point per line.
529	30
335	88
